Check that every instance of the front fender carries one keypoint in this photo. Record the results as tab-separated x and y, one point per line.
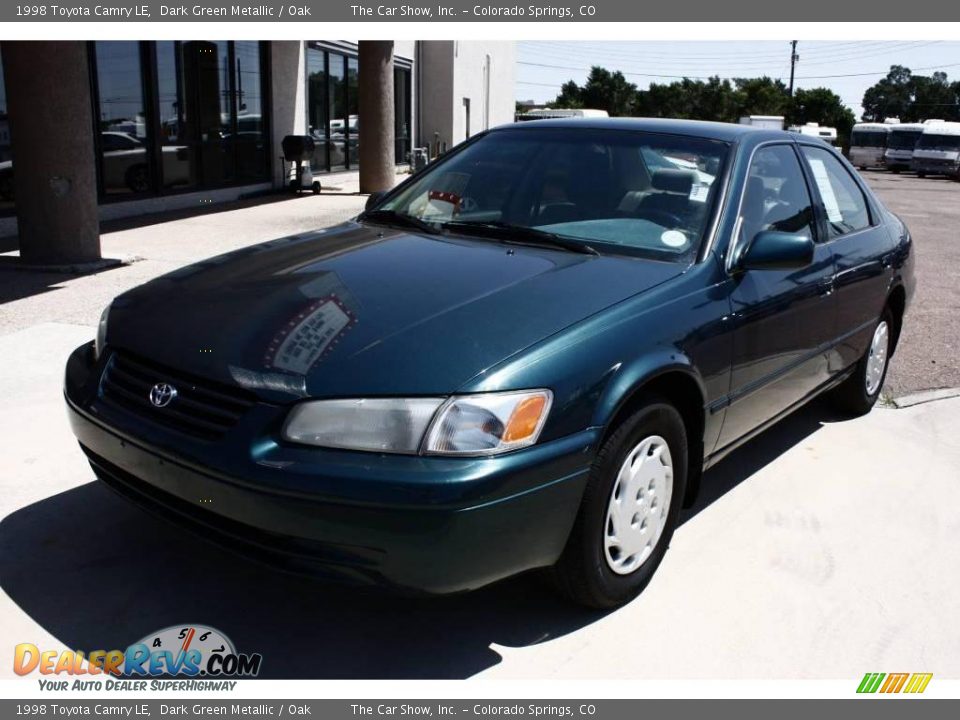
632	377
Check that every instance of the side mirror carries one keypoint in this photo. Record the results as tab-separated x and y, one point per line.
772	250
374	198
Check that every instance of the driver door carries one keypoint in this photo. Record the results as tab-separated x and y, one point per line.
782	319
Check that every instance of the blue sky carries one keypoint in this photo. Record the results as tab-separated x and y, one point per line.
544	66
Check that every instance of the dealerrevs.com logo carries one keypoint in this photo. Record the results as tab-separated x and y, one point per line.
888	683
179	651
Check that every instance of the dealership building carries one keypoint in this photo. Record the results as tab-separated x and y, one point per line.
93	131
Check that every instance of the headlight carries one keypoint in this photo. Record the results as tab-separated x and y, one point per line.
387	425
101	340
482	424
489	424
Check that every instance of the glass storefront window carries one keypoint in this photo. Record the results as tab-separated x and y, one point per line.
177	156
6	154
121	117
208	113
337	86
250	132
353	112
317	108
402	114
333	110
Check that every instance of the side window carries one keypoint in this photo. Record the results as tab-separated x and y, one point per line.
843	201
776	195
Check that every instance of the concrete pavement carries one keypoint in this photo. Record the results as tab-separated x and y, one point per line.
929	354
823	549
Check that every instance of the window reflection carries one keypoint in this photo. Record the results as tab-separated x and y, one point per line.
211	113
353	112
317	109
337	74
6	151
251	141
333	110
121	119
401	100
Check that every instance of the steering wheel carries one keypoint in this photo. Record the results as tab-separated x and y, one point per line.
665	218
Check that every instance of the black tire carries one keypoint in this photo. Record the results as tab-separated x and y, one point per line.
851	396
137	179
583	573
921	174
316	187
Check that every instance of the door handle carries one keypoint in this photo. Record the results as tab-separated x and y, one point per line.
827	285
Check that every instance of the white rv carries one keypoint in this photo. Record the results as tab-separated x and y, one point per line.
938	150
767	122
553	113
868	142
903	138
824	132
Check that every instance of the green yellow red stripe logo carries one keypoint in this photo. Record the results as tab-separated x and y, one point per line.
913	683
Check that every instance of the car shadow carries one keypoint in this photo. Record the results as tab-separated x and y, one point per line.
98	573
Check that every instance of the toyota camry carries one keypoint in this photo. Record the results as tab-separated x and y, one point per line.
522	357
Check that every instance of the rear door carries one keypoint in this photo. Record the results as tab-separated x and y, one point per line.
860	245
782	319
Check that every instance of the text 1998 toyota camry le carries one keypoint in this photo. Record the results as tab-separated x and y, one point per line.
521	357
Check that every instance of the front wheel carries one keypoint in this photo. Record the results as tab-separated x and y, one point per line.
859	393
629	509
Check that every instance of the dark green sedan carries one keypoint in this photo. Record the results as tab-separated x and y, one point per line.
523	357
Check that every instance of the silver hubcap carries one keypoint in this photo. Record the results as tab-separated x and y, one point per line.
877	359
639	503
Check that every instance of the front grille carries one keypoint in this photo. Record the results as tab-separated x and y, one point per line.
201	408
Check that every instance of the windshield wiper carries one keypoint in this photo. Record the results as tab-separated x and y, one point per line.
519	235
392	217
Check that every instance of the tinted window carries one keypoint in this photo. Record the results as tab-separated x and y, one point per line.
903	140
929	141
863	138
776	196
843	201
631	192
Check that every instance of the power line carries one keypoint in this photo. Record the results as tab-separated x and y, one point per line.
745	62
861	49
728	77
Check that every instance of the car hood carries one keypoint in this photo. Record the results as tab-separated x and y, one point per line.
360	310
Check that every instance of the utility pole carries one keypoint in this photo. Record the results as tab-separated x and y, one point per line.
793	61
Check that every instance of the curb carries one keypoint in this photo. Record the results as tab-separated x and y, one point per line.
925	396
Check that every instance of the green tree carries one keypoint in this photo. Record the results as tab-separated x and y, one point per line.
822	105
603	90
891	97
569	97
761	96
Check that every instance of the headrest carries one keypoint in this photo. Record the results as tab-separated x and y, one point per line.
673	181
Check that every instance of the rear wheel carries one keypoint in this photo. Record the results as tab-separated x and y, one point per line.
629	509
859	392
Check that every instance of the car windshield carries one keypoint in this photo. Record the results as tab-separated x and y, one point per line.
612	191
866	138
930	141
903	140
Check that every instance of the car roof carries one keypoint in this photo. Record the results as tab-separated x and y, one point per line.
728	132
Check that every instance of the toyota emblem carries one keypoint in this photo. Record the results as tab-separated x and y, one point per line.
162	394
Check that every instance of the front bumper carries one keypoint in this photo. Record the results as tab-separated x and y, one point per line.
425	524
935	167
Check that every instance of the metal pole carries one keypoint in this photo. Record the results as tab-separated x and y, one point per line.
793	61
